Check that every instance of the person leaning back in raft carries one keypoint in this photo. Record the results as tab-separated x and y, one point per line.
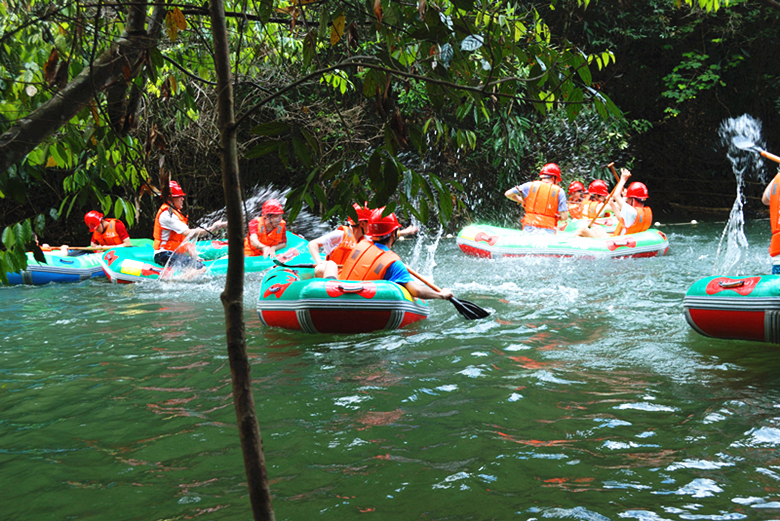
771	198
375	260
267	233
544	201
633	215
106	233
171	232
339	243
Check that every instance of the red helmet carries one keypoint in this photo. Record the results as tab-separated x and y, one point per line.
363	214
576	186
637	191
176	190
272	206
598	187
379	226
552	170
92	220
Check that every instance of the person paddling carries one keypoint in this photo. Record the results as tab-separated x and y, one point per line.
106	233
633	215
267	233
544	201
171	232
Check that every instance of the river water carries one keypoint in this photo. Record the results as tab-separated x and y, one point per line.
584	396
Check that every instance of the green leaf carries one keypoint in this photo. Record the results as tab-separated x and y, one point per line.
27	232
301	151
8	237
119	207
264	148
272	128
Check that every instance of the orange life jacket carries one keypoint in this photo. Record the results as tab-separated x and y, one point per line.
774	217
541	205
575	210
590	209
644	218
345	247
109	237
367	262
270	238
174	239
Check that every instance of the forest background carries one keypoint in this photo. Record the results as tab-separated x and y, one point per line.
659	77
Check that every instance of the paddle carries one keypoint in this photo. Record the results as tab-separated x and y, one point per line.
296	266
611	166
745	144
469	310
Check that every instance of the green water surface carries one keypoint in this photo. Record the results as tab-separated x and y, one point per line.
584	396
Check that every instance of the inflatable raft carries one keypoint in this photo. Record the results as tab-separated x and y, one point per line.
492	242
126	265
745	308
293	299
60	267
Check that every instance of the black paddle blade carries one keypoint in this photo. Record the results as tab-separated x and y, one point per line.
293	266
469	310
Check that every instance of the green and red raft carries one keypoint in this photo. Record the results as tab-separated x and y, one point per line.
293	299
745	308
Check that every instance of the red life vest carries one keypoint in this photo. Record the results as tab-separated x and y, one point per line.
174	239
541	205
345	247
367	262
774	217
575	210
109	237
644	218
270	238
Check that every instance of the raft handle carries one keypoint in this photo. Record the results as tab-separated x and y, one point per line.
731	284
351	288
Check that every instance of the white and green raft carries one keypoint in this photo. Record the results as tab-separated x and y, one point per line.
492	242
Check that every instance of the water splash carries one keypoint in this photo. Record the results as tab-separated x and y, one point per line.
305	224
732	133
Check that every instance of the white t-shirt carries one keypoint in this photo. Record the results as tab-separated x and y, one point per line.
169	221
629	214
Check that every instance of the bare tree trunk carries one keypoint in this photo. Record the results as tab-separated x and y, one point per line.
233	296
119	63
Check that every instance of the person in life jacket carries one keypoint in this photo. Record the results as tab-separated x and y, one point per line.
106	233
544	201
633	215
576	196
771	198
268	232
339	243
593	205
171	232
375	259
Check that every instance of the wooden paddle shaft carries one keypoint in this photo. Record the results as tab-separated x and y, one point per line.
611	166
422	279
773	157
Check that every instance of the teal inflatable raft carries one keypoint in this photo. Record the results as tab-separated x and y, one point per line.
61	267
492	242
292	299
126	265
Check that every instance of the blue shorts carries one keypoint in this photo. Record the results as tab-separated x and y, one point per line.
180	261
776	269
